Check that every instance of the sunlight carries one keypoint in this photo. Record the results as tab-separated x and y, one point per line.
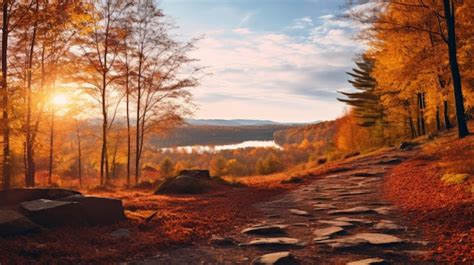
60	100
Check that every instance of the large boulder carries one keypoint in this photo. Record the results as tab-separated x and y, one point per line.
50	213
99	210
184	184
16	196
196	173
13	223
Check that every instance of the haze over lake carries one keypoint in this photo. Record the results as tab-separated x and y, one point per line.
217	148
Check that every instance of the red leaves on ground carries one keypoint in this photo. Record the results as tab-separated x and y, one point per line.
180	220
444	213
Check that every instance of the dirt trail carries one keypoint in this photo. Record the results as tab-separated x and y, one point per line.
335	219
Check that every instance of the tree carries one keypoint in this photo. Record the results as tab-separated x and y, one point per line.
412	36
160	91
450	18
100	47
5	96
217	165
166	167
366	101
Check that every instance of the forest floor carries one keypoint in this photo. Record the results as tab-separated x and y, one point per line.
398	194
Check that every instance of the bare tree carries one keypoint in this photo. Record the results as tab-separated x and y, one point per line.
100	48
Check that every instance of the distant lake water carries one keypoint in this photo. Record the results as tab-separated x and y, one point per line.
217	148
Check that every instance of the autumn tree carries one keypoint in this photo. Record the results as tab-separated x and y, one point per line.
100	46
161	72
166	167
366	103
427	30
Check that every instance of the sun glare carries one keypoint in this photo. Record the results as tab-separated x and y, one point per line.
60	100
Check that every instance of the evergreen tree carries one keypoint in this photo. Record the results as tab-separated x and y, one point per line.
365	101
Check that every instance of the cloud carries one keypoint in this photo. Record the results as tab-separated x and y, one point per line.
271	74
335	34
243	31
302	23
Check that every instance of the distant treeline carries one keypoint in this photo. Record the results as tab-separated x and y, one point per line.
216	135
323	131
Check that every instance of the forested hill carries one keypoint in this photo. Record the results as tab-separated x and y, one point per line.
216	135
319	132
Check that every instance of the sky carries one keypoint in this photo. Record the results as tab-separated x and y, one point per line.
281	60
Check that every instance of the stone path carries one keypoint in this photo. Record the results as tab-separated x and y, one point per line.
337	219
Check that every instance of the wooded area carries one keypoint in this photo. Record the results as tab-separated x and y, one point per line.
416	77
109	58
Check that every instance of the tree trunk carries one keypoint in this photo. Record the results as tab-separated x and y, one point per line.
450	13
438	120
30	164
104	164
138	134
5	103
447	122
412	127
79	154
51	148
421	118
129	139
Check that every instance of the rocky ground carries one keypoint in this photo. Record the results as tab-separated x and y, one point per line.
336	219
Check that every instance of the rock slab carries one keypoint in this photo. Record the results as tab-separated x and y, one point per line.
98	210
277	258
275	242
265	230
371	261
19	195
13	223
50	213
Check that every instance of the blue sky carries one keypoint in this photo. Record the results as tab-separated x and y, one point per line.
281	60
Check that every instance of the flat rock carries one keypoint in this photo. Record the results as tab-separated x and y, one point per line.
355	192
336	223
275	242
19	195
360	239
354	210
121	233
353	220
222	241
318	239
383	210
371	261
344	243
279	258
378	238
299	212
324	206
13	223
50	213
99	210
300	224
328	231
265	230
387	225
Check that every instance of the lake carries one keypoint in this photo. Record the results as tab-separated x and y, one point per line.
217	148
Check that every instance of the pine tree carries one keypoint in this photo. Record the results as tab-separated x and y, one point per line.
365	102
